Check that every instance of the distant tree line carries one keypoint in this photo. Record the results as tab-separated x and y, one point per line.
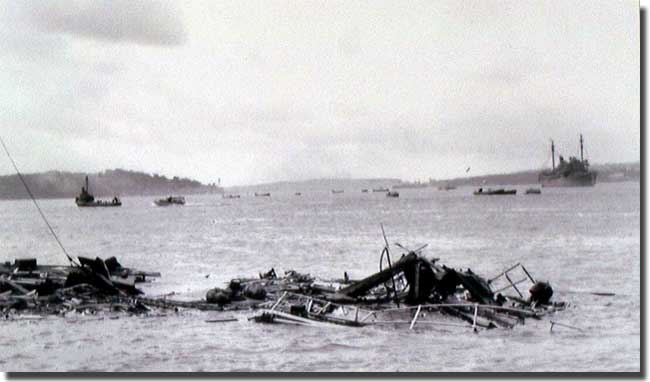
59	184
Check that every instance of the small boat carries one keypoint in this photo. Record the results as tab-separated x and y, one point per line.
381	189
392	194
180	200
533	190
364	190
298	194
262	194
337	191
86	199
498	191
232	196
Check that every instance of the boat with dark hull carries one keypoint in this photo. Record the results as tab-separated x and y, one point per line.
170	200
499	191
572	173
86	199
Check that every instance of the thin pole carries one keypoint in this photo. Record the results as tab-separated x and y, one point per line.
415	317
553	153
36	204
390	266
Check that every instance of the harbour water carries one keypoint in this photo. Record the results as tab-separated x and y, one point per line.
580	239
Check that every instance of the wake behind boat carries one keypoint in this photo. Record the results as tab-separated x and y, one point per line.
86	199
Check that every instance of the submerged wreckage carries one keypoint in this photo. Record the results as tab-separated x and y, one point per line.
86	286
411	291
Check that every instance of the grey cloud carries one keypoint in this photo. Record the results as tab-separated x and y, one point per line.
137	21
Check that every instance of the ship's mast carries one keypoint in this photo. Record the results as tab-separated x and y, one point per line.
87	190
581	155
553	153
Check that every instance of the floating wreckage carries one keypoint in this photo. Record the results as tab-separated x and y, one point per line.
88	287
413	291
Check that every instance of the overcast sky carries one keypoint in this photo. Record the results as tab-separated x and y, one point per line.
257	91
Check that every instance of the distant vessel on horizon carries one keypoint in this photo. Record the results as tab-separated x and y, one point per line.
572	173
86	199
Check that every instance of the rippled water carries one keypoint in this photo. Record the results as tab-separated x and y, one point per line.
578	239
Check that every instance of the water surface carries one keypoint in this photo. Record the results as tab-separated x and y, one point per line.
579	239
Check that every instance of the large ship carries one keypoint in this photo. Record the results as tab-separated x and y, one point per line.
572	173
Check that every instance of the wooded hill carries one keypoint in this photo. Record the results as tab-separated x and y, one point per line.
59	184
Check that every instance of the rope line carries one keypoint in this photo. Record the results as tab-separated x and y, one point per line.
20	176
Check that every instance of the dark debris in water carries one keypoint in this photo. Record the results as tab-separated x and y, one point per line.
411	291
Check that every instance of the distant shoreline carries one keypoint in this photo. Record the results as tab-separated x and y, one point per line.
105	184
118	182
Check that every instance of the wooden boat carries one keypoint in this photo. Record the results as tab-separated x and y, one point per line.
86	199
260	194
364	190
180	200
231	196
337	191
499	191
533	190
392	194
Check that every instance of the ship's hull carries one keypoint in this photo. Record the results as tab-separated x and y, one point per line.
496	192
587	179
99	204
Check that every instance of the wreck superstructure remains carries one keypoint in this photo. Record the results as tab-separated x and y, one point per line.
572	173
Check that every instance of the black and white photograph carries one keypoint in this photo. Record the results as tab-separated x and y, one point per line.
287	187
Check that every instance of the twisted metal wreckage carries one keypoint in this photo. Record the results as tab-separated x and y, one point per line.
413	291
406	293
